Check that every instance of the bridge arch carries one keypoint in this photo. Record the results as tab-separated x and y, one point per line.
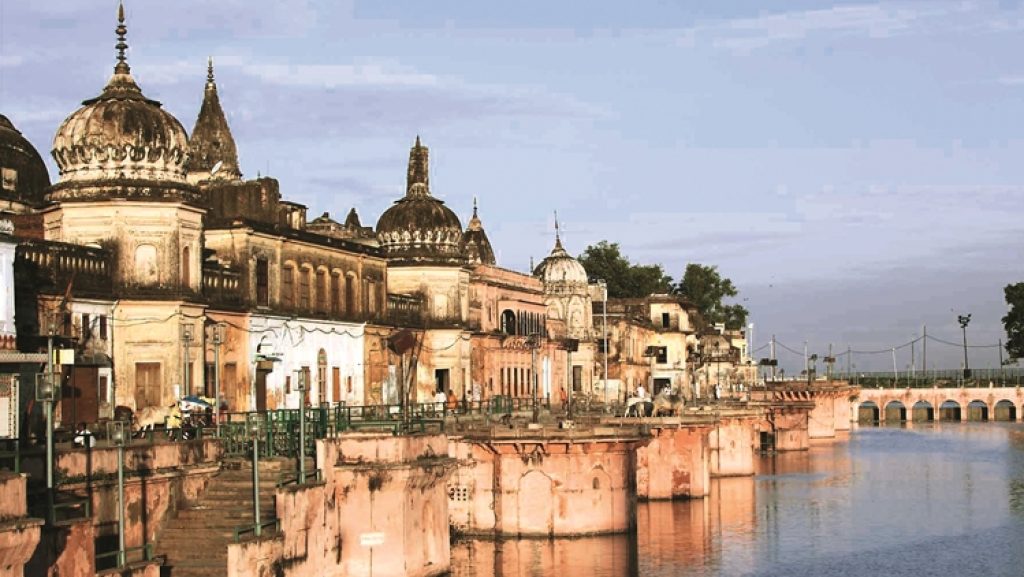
1005	411
868	412
895	411
977	411
923	412
949	410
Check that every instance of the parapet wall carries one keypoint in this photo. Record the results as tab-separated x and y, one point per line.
380	511
542	487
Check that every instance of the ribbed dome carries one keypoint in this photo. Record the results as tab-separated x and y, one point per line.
24	176
478	246
420	228
560	271
120	135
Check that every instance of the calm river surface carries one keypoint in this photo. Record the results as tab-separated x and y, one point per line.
929	500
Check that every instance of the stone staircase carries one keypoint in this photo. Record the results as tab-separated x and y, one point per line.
195	542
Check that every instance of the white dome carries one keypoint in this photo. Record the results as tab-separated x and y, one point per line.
561	271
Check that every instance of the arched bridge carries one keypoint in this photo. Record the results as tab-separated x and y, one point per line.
939	404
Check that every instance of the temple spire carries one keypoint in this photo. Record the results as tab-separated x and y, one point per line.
210	83
418	176
558	236
474	221
122	44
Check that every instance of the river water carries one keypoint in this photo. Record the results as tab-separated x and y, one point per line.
938	499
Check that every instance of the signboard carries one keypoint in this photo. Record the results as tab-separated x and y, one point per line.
9	406
371	539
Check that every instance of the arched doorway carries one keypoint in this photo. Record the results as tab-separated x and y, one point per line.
949	411
895	412
923	411
1005	411
536	504
868	412
977	411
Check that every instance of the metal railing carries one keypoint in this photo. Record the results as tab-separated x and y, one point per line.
279	429
257	530
109	560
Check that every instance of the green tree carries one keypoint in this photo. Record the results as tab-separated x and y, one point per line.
1013	322
704	287
625	279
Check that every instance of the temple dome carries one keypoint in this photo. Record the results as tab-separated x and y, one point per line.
420	228
560	271
23	176
120	135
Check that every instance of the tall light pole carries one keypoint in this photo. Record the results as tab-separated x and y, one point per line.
534	341
301	378
218	339
116	434
604	332
254	426
186	340
964	320
47	390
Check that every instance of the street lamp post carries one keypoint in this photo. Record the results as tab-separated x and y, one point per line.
46	393
186	340
604	332
301	378
116	434
254	426
964	320
218	340
534	341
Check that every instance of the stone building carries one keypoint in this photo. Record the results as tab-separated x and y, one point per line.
170	273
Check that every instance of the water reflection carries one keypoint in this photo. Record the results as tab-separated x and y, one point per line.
932	499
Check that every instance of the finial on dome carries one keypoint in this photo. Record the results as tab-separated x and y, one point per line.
209	72
122	44
474	221
558	237
418	176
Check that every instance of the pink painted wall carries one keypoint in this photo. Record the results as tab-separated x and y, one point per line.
376	488
19	535
544	487
731	446
821	421
673	464
843	415
65	551
790	427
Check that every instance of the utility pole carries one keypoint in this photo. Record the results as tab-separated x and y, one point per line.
773	358
895	371
912	361
924	351
849	359
964	320
807	363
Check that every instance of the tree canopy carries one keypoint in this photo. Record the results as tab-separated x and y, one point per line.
625	279
1013	322
704	287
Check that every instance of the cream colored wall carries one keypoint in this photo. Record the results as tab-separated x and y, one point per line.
443	349
446	289
166	227
492	288
150	332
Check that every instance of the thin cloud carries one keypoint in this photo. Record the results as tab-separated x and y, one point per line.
334	75
873	20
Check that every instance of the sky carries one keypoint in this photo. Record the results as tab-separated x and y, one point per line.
853	167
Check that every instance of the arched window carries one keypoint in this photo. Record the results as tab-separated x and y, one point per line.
186	268
508	322
336	294
304	288
321	291
288	286
350	296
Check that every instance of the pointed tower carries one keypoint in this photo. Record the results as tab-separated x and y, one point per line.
212	152
478	246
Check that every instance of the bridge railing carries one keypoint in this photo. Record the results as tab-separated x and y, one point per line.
951	378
